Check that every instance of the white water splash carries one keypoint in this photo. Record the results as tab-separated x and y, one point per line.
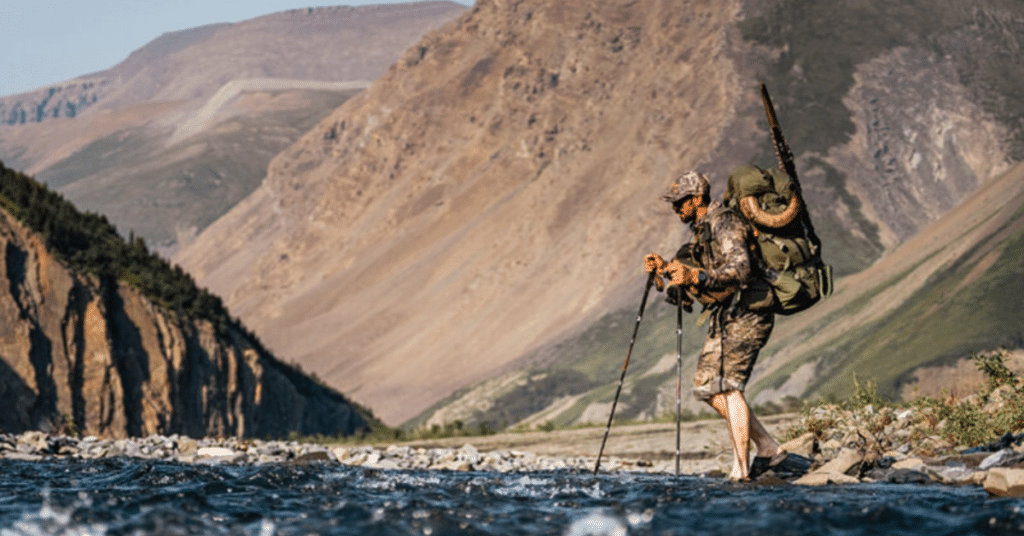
597	524
50	521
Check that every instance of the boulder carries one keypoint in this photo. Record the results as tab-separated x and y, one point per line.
1005	482
819	478
909	463
803	445
1004	458
848	460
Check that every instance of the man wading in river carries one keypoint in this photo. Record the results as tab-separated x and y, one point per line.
718	270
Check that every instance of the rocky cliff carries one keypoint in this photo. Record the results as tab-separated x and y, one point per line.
494	191
78	354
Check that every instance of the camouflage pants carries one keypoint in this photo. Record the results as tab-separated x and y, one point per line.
730	350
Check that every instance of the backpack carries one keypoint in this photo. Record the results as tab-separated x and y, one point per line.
788	250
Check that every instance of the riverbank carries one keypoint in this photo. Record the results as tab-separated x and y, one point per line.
845	443
855	448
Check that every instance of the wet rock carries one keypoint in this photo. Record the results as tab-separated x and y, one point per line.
896	476
219	455
1005	482
818	478
1006	457
954	475
314	457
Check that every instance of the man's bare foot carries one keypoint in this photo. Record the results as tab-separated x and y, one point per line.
738	473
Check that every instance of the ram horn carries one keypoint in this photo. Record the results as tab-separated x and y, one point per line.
752	210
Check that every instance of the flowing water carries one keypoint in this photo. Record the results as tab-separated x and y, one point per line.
125	496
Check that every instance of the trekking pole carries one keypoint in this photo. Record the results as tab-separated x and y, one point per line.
679	379
632	340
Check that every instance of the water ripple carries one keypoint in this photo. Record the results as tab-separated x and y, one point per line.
133	497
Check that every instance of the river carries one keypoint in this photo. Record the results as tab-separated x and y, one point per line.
127	496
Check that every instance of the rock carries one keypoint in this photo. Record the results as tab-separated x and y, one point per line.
22	456
803	445
952	475
909	463
1005	482
897	476
819	478
213	452
846	461
187	446
314	457
1003	458
457	465
219	455
469	453
33	442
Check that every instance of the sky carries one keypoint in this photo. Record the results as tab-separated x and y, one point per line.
46	41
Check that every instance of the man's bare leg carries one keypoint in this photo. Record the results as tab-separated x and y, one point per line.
737	419
743	426
767	446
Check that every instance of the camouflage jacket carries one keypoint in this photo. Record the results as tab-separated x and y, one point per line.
721	245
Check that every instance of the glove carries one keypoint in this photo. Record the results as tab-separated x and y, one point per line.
676	294
682	274
654	264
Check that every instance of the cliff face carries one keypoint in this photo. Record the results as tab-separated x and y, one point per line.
77	354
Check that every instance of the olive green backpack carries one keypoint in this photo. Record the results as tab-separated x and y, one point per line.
789	251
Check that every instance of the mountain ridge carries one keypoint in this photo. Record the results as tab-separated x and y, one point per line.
111	141
494	191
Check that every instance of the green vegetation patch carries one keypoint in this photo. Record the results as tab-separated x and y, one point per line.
948	318
590	365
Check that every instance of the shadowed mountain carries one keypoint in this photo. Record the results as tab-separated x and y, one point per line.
101	337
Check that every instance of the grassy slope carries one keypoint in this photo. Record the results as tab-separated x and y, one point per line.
969	301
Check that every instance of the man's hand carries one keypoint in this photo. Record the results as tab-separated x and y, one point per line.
682	274
677	295
654	264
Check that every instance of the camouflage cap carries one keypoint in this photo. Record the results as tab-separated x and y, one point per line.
688	184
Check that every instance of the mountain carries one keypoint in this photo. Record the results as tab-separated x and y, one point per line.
103	338
473	223
172	137
909	322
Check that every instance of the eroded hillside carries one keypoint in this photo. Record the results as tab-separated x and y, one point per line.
495	190
171	138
